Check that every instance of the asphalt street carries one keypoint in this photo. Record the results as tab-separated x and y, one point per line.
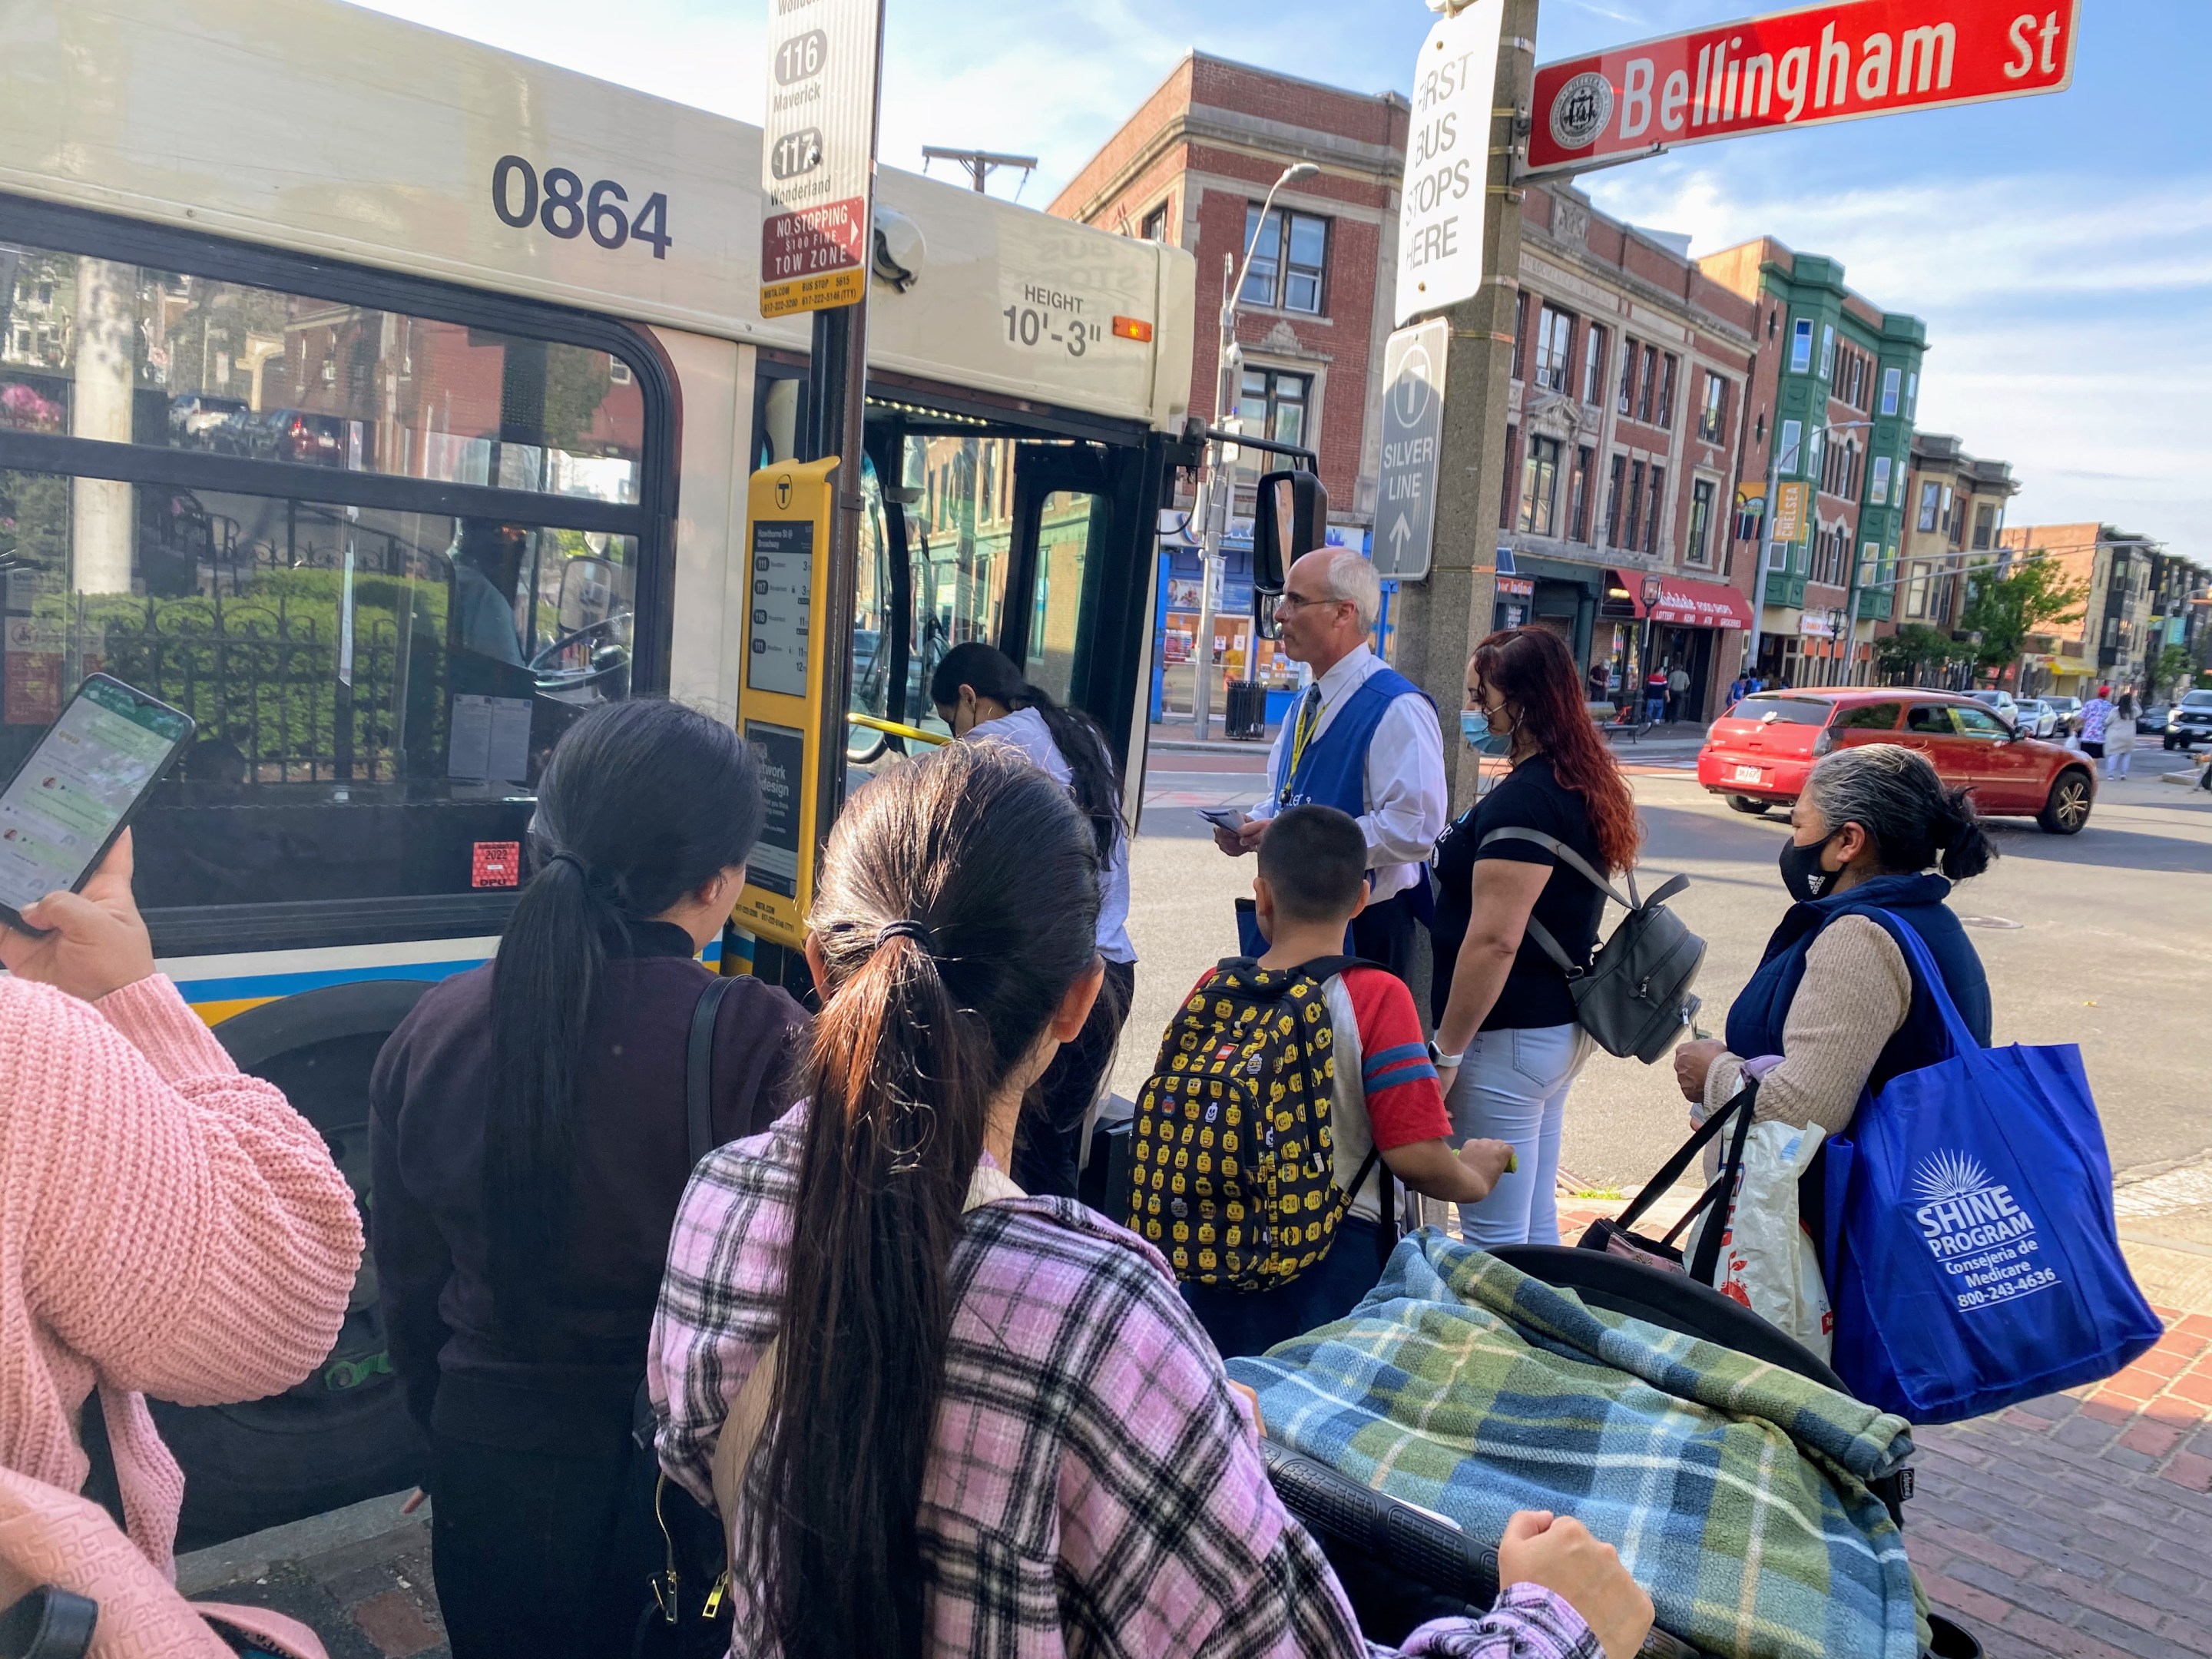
2103	939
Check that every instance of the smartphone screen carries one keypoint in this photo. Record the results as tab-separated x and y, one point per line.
77	789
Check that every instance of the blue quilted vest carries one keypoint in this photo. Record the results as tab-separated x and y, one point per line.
1755	1019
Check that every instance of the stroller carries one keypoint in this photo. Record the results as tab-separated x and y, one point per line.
1401	1565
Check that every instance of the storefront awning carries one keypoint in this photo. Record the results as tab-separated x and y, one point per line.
1685	603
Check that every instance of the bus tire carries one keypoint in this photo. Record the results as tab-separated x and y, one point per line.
343	1434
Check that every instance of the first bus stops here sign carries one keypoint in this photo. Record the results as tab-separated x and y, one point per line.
817	155
1829	62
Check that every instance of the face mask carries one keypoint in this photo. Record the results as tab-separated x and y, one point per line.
1474	730
1801	869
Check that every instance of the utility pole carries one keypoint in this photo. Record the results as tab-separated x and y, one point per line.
1443	618
979	164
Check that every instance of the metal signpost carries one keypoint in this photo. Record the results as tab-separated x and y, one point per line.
1412	433
1838	62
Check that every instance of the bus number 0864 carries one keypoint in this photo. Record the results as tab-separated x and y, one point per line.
564	208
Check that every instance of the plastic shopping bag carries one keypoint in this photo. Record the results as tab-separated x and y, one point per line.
1971	1251
1768	1261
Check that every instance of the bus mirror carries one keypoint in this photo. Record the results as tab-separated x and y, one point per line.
1290	516
899	249
587	592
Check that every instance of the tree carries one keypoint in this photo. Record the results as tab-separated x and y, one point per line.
2005	606
1914	647
2172	668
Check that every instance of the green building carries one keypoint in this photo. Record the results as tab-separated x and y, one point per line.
1835	397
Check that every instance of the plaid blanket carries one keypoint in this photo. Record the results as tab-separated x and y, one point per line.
1733	1489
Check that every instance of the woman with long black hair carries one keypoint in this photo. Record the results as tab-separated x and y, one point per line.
960	1418
982	696
529	1144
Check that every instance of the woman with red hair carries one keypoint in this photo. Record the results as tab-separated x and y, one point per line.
1507	1044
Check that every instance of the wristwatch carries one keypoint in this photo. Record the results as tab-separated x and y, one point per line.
1443	1062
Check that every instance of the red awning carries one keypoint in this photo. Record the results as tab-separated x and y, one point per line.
1699	604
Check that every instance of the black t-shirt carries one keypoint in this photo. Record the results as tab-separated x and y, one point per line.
1528	798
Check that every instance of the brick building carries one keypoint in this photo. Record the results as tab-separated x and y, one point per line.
1847	386
1633	393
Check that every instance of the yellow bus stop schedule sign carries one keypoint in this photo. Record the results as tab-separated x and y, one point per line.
781	657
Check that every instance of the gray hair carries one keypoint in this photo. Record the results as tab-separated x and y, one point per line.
1351	576
1895	795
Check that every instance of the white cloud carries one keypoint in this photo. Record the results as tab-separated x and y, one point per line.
2070	318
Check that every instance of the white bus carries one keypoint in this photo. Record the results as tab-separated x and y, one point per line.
384	400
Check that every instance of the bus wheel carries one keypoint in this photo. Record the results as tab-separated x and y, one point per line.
344	1433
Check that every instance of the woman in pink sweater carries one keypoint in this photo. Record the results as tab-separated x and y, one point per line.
167	1226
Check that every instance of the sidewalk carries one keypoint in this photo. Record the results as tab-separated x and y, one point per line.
2078	1526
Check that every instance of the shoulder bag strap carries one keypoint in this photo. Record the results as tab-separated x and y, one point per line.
1671	1171
699	1069
1717	1196
1566	855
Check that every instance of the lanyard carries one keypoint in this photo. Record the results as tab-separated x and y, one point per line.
1301	735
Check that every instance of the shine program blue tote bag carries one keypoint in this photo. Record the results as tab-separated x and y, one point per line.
1972	1252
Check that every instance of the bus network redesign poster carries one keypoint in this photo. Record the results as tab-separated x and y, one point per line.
773	865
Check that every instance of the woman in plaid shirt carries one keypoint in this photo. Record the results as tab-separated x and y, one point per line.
997	1432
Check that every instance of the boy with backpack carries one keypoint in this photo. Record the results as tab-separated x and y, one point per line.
1288	1091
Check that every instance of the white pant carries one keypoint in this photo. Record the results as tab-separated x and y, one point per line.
1512	1086
2116	762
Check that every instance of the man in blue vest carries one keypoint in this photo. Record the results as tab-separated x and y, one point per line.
1361	738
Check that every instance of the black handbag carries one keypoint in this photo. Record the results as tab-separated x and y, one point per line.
1619	1237
685	1614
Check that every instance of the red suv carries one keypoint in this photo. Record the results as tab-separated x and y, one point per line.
1757	754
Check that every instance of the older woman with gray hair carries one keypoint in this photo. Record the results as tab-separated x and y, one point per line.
1835	1007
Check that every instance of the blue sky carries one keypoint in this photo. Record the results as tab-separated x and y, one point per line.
2060	248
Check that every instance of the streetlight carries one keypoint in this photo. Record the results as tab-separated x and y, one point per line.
1228	362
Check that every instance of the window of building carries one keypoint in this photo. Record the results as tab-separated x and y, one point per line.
1695	551
1578	501
1627	401
1274	405
1554	335
1816	457
1667	393
1793	433
1870	565
1509	494
1647	387
1635	505
1912	397
1593	365
1985	519
1652	510
1154	229
1916	592
1880	493
1801	345
1540	486
1828	351
1758	428
1931	499
1521	336
1889	378
1615	500
1289	259
1712	414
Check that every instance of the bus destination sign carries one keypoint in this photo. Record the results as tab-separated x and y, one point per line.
1838	62
817	154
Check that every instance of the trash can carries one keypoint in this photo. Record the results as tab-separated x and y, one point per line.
1246	715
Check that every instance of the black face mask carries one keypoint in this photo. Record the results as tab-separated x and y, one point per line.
1800	869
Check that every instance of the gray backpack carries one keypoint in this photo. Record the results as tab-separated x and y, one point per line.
1633	995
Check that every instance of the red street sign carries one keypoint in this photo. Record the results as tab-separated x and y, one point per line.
1829	62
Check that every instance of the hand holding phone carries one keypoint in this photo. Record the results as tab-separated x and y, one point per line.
93	942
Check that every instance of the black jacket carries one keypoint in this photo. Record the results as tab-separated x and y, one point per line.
428	1100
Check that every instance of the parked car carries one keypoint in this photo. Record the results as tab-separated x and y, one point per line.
2191	721
293	435
1757	754
2151	720
2069	710
2037	717
197	419
2007	706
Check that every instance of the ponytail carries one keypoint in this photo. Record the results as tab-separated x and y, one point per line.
1958	831
957	904
642	802
1095	785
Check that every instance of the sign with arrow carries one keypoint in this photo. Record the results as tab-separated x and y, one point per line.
1412	430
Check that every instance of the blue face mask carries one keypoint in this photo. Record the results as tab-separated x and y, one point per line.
1474	730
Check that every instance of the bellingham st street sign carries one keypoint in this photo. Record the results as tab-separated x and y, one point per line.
1838	62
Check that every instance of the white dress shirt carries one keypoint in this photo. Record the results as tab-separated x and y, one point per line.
1025	730
1406	799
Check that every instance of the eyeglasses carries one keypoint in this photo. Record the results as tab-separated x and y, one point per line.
1296	601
